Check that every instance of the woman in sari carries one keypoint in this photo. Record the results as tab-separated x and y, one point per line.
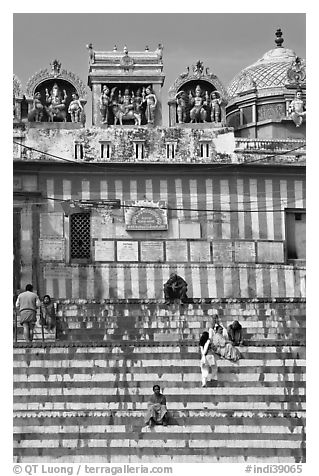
156	413
207	363
223	347
48	313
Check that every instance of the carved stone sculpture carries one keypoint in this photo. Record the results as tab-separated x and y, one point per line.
104	104
150	99
56	109
198	112
215	105
125	107
37	110
75	108
181	107
297	110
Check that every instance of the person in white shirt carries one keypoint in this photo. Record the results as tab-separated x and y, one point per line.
27	304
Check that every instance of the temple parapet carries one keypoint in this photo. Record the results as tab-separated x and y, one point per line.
126	86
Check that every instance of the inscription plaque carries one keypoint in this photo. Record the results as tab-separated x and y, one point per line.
245	251
152	251
200	251
146	215
176	251
127	250
57	272
52	250
270	251
104	251
222	251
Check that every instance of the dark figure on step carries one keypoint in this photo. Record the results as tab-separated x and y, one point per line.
156	413
235	333
175	288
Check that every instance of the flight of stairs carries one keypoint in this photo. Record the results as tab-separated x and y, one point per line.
77	401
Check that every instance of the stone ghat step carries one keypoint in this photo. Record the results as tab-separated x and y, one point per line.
131	364
193	320
142	342
234	404
228	456
185	380
181	417
145	392
289	383
247	353
172	441
51	430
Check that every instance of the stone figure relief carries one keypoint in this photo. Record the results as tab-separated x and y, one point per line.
56	103
297	109
37	110
215	106
198	112
104	104
180	99
150	99
75	108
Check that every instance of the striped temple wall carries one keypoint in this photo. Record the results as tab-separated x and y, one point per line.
229	207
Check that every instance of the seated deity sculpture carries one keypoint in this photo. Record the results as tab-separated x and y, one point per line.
104	104
198	112
181	107
150	99
37	110
297	110
55	99
75	108
215	105
124	108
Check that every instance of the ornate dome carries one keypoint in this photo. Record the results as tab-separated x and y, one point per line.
273	70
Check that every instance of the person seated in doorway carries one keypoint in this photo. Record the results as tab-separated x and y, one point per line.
235	333
207	362
27	304
48	318
175	288
156	413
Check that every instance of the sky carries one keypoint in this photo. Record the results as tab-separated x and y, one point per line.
225	42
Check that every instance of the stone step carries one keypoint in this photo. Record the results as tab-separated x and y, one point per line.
170	393
99	404
273	378
119	431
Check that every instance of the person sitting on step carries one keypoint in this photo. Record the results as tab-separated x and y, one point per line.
207	362
224	347
214	325
175	288
156	413
48	318
235	333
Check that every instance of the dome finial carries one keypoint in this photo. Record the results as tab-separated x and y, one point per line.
279	41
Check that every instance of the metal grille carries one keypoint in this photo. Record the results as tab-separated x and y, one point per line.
80	236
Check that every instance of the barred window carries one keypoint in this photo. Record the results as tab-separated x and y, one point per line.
204	150
105	150
170	150
78	151
139	150
80	236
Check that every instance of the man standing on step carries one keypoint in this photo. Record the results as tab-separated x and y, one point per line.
27	304
175	288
